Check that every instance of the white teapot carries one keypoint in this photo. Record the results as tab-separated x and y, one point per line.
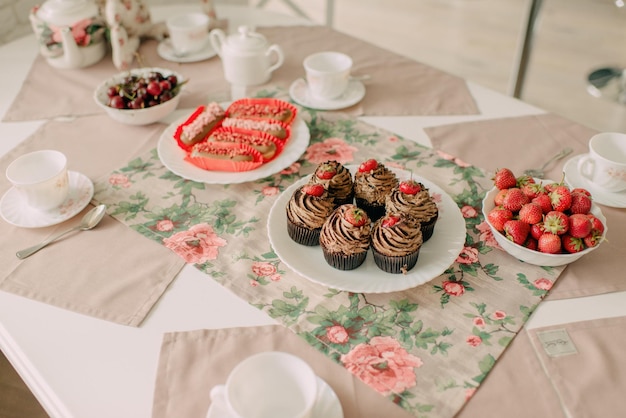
246	56
70	32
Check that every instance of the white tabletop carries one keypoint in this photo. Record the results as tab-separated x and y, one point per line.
78	366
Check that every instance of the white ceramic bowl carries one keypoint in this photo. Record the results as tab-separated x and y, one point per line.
536	257
137	116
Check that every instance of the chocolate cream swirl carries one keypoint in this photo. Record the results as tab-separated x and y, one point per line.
340	236
375	185
398	240
419	207
340	186
309	211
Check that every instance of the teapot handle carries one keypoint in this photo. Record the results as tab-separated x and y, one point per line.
280	57
217	38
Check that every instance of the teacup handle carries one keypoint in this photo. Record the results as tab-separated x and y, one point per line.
217	38
586	166
218	400
280	57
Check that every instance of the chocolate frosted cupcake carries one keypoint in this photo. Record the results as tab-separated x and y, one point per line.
395	243
337	180
372	183
345	237
413	200
307	210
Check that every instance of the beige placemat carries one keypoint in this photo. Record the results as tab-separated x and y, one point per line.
522	142
398	85
192	362
110	272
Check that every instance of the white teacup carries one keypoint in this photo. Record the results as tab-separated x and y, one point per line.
40	177
269	384
605	165
189	32
327	74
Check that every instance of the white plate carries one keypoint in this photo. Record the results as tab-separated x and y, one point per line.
436	255
575	179
173	157
327	404
15	211
166	51
299	92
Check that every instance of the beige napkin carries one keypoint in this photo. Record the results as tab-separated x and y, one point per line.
192	362
110	272
522	142
398	85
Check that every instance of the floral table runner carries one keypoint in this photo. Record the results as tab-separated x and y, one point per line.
428	348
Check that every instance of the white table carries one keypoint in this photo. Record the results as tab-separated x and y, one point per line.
78	366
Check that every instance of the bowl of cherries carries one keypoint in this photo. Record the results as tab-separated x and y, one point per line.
140	96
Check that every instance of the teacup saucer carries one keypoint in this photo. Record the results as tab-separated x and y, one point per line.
327	404
16	212
299	92
166	51
575	179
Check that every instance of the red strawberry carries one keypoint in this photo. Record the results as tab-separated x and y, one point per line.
516	231
498	216
326	171
572	244
524	180
530	213
579	225
313	189
537	230
390	220
531	244
549	243
369	165
592	239
514	199
561	198
356	216
581	190
581	203
410	187
596	224
544	201
532	190
504	179
499	199
556	222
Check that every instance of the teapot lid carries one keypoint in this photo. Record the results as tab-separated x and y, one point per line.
67	12
247	40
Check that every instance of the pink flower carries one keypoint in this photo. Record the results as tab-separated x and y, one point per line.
453	288
383	364
270	191
468	255
473	340
452	158
479	321
468	212
469	392
330	149
486	235
275	277
393	139
293	168
79	32
543	284
119	180
196	245
263	268
498	315
337	334
254	283
164	225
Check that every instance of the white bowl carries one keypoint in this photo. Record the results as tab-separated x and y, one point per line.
536	257
137	116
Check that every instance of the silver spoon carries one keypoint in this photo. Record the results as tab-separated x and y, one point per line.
540	172
89	221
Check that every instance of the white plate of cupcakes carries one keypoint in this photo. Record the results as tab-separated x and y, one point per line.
369	274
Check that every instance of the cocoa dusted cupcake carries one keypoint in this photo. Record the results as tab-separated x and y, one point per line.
337	180
413	199
345	237
308	208
372	183
395	243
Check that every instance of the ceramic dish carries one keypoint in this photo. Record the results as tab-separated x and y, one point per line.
574	179
436	255
173	157
166	51
299	92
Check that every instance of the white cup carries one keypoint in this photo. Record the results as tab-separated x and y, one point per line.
40	177
605	165
189	32
269	384
327	74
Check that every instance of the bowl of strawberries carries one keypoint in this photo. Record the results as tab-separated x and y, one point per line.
542	222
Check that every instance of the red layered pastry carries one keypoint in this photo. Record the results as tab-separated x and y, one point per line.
223	156
269	146
200	124
263	109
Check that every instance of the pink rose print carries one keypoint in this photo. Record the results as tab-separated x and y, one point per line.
469	392
383	365
119	180
254	283
293	168
270	191
262	268
469	212
453	288
337	334
479	321
196	245
164	225
543	284
330	149
393	139
486	235
468	255
498	315
473	340
452	158
275	277
79	31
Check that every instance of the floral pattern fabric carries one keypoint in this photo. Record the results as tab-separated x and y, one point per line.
426	349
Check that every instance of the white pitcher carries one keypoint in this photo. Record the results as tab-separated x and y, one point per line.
246	56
